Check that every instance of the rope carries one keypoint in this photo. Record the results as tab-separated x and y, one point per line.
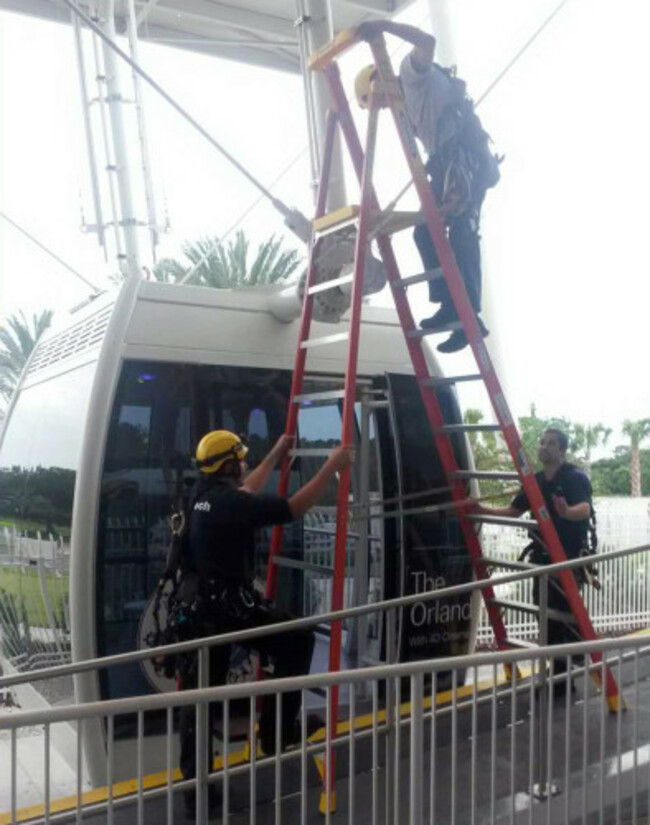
391	206
49	252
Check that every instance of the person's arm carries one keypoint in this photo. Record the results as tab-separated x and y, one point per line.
578	490
311	492
507	512
571	512
424	44
257	478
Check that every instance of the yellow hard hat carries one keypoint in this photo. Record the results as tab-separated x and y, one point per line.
362	85
217	447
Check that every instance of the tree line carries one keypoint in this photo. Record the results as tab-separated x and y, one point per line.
625	473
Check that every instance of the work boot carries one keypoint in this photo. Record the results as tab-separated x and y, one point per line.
456	341
439	320
483	329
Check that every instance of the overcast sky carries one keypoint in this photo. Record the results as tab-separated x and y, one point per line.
567	277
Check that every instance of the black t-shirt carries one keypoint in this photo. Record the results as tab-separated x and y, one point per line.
572	484
223	523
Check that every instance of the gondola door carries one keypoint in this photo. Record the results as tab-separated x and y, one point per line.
422	548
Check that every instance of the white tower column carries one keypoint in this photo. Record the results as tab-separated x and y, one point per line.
320	30
127	218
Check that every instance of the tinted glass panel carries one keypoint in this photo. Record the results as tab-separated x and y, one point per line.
433	554
38	463
161	412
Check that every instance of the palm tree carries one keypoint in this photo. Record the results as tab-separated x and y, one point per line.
18	338
588	436
637	431
226	266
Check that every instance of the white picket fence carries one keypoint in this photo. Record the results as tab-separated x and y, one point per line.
622	603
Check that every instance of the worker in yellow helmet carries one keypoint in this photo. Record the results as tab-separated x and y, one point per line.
228	507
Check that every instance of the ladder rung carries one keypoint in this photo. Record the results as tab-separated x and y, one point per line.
324	340
524	523
388	223
445	381
314	397
321	378
468	428
335	282
485	475
422	333
524	607
429	275
331	531
339	219
521	607
314	452
506	564
298	564
381	223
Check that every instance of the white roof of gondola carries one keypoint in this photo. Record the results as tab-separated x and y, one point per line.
259	32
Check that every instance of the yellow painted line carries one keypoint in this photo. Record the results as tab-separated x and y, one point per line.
128	787
157	780
443	698
644	632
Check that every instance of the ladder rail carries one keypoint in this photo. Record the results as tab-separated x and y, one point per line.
297	379
347	433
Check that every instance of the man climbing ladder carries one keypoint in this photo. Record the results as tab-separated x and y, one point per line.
460	165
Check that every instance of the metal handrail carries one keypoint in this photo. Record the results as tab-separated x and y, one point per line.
162	701
312	621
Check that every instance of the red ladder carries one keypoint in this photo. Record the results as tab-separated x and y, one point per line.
368	217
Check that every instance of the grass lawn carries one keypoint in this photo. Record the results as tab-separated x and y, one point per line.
24	584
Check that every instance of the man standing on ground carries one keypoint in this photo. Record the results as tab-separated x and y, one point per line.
567	494
227	509
459	173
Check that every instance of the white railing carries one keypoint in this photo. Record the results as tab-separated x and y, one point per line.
390	722
514	753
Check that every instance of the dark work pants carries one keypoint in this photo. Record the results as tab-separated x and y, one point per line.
559	633
290	654
464	240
